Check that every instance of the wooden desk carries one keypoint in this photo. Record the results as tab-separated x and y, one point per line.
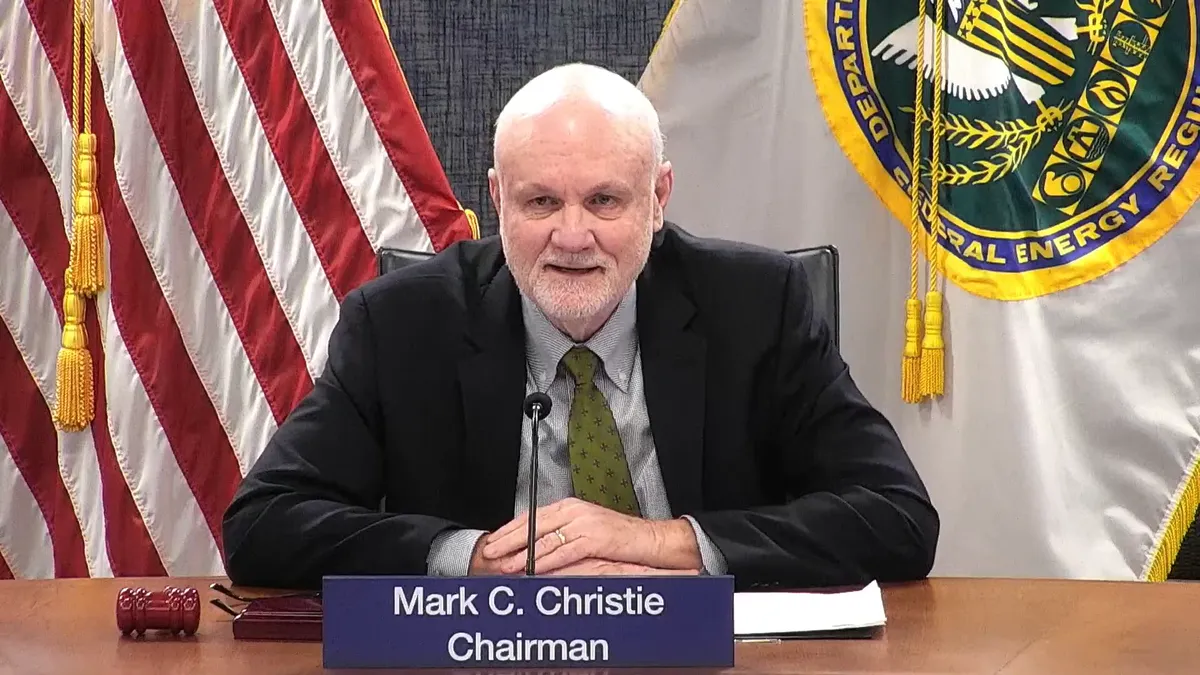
940	626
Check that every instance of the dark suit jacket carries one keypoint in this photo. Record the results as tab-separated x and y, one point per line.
761	434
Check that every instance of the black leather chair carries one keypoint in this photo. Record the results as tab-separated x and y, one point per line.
820	266
394	258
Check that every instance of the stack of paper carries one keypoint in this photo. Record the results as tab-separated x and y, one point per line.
808	615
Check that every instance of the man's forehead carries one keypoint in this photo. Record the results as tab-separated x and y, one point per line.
579	129
586	168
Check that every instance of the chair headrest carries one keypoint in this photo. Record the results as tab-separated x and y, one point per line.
820	265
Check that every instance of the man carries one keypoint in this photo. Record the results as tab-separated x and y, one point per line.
701	421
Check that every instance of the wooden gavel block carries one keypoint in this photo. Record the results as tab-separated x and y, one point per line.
175	610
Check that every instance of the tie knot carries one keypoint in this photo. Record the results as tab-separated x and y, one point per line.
581	363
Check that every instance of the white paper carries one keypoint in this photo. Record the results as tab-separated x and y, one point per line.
774	613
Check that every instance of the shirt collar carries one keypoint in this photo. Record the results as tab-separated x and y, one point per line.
615	343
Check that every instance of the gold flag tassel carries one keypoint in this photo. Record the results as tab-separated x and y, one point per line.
74	406
933	347
910	373
75	400
87	248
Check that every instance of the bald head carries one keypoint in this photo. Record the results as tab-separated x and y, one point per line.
571	94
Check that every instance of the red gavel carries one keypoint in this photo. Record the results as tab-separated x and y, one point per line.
171	609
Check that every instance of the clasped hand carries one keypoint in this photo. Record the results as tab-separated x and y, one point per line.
577	537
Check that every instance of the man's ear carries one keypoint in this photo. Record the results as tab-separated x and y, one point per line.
494	188
663	184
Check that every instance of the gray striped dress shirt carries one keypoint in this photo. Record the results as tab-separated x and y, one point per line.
620	382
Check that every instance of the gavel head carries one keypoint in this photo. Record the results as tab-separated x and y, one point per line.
175	610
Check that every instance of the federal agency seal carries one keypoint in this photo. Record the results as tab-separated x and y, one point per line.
1068	128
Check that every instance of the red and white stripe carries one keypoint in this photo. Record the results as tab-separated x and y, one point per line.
254	155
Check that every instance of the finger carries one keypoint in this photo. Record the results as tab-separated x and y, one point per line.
514	525
520	523
514	535
518	538
543	545
512	564
510	538
546	545
564	555
506	546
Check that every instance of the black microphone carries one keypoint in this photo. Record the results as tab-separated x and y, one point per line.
537	406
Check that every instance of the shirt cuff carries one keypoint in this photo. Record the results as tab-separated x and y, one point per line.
450	553
710	556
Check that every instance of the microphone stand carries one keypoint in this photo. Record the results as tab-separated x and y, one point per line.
533	500
537	407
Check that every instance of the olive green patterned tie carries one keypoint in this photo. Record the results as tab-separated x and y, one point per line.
598	467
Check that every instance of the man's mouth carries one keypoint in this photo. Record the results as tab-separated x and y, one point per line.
573	271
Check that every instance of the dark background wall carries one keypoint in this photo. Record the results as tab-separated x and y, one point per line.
464	58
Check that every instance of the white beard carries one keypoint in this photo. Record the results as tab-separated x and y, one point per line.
566	300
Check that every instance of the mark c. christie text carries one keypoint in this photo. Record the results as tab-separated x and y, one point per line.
548	601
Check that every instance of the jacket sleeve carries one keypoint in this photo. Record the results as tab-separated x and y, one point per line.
310	505
856	509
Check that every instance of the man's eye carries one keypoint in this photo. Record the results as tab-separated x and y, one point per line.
541	202
604	200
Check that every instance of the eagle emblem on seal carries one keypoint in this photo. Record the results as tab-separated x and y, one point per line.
1066	130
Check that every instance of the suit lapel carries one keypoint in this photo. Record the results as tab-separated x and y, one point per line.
673	355
493	389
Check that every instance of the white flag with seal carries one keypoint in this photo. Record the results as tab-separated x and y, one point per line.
1058	429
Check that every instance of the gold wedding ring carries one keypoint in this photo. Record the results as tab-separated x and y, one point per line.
561	538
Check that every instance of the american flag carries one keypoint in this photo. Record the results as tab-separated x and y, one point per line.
253	155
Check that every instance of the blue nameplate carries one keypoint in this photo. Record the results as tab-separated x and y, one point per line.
443	622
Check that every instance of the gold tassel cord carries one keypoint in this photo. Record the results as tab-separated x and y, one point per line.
87	253
910	382
933	379
74	406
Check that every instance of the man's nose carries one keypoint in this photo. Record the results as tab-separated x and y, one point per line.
573	233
